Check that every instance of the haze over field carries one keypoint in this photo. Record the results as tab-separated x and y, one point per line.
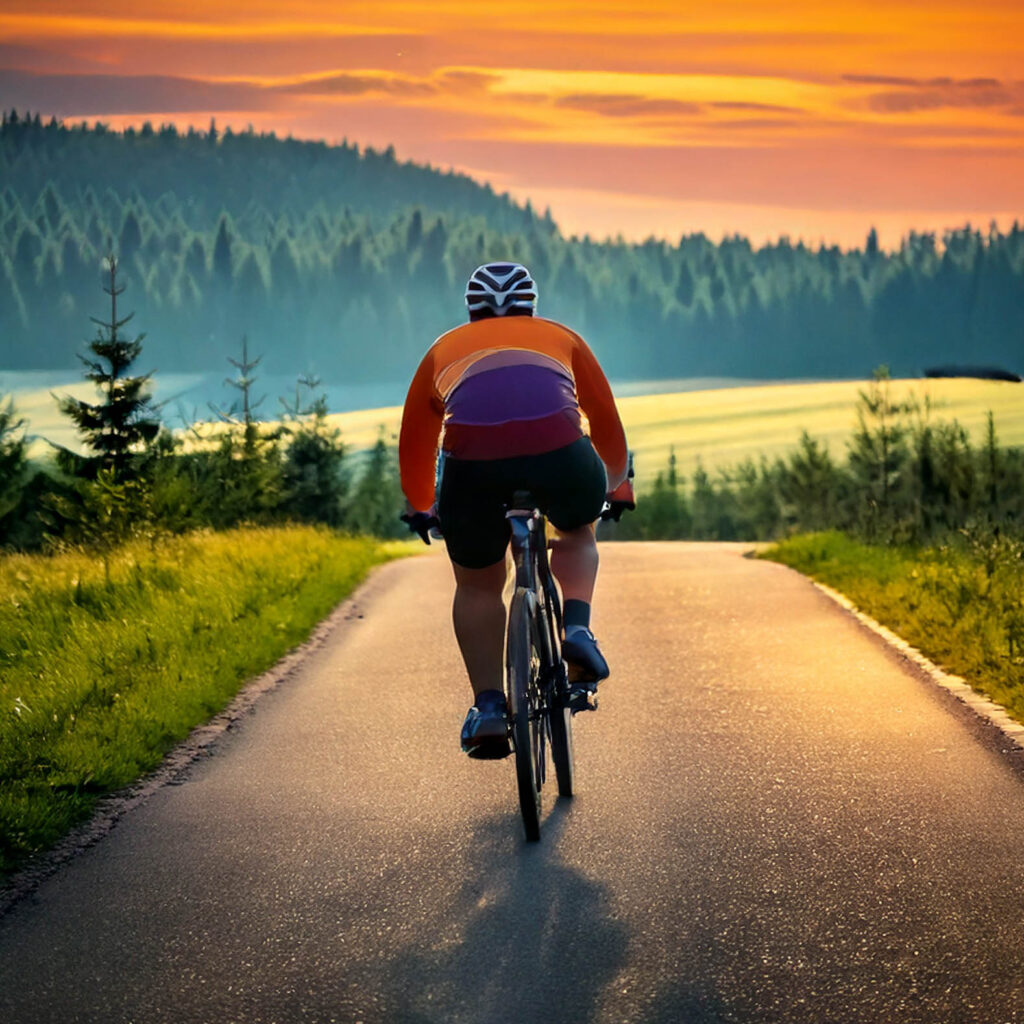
804	119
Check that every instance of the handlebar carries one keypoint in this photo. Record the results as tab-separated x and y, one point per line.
422	523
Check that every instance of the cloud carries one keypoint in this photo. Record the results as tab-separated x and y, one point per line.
899	102
457	80
358	85
451	81
772	108
905	95
103	95
923	83
615	105
37	58
880	80
107	95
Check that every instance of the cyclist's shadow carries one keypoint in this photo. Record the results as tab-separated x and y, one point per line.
528	938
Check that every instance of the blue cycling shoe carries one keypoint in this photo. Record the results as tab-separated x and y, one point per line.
585	657
485	731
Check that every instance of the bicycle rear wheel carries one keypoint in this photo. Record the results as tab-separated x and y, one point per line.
557	691
523	668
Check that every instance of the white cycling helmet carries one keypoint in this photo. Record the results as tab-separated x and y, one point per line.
500	288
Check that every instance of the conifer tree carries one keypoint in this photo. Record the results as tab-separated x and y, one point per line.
13	462
124	421
371	508
878	452
314	480
247	463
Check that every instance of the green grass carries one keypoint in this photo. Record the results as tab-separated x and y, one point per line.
962	604
98	681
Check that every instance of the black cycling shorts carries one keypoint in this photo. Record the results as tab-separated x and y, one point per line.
569	485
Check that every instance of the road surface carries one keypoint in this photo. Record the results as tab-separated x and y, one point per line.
777	820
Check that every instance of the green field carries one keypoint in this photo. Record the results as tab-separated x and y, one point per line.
720	428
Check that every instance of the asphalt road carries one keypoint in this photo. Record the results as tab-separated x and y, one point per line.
777	820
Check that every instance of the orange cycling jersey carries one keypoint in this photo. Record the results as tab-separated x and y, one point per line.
503	387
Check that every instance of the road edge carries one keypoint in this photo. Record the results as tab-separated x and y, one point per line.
986	709
199	743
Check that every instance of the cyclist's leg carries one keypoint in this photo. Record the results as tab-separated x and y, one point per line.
574	561
478	613
476	534
575	488
573	484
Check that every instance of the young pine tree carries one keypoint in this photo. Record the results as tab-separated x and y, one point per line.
878	458
13	463
315	483
118	427
377	496
244	480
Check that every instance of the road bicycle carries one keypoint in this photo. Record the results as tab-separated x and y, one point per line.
540	696
541	702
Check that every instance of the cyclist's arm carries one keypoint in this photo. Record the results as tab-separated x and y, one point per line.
422	418
596	400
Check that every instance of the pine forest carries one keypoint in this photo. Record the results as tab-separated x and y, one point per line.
346	263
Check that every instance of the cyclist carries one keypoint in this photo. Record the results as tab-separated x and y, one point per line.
504	395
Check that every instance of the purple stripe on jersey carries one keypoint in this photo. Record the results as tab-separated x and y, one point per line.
510	394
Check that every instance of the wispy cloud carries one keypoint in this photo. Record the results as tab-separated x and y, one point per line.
358	85
42	59
907	95
103	95
86	95
626	105
773	108
937	98
923	83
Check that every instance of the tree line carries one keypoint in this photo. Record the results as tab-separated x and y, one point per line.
136	478
906	477
347	262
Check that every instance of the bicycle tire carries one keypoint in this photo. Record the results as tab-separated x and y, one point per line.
557	696
523	666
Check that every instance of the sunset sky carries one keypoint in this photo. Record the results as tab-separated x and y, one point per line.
815	120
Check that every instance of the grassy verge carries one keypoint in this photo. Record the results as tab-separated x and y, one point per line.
99	680
961	604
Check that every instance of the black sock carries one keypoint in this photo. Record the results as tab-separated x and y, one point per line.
488	697
577	613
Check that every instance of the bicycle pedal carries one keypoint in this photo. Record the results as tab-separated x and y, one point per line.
583	698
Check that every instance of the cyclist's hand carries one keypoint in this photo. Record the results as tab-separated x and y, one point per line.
622	499
422	523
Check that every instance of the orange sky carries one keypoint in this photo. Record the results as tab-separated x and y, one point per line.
808	119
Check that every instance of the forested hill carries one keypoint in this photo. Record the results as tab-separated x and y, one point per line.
347	263
201	174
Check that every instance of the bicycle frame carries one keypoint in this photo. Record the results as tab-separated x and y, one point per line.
539	696
533	570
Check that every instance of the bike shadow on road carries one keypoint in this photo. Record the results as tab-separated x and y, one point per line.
525	938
